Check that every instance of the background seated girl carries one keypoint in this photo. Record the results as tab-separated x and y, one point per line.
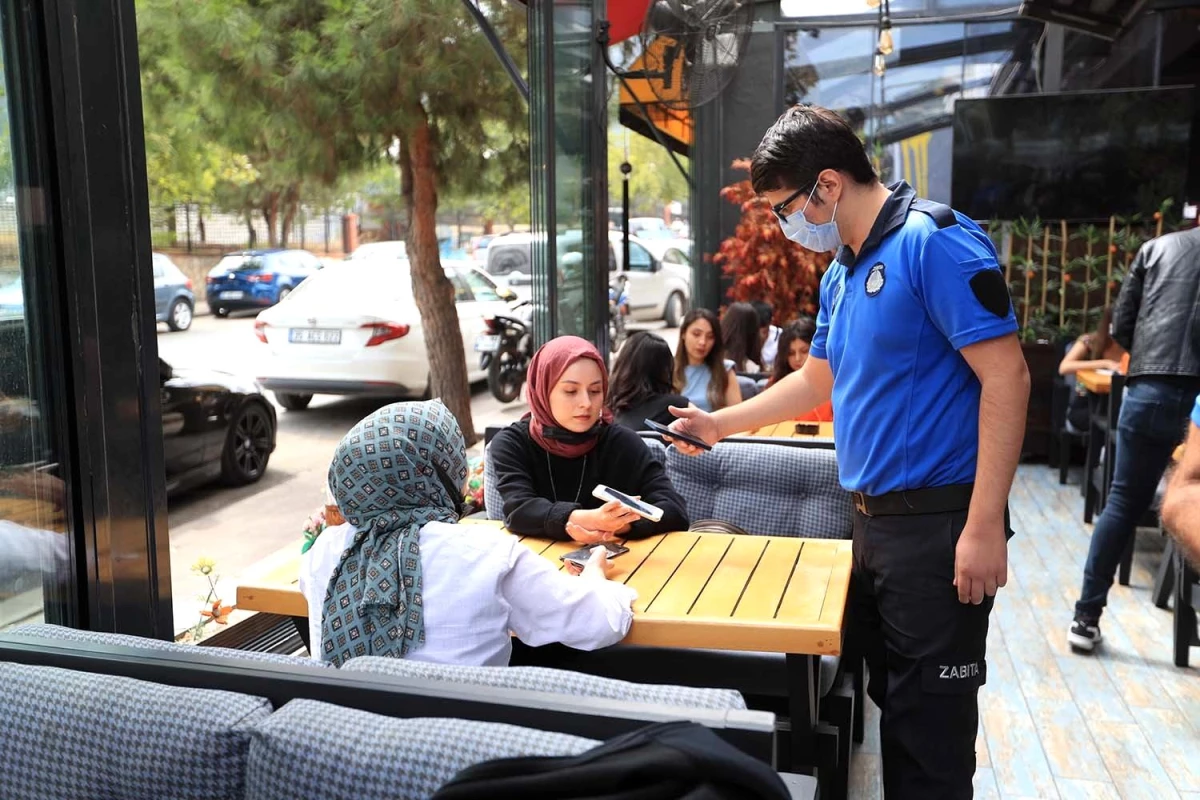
794	342
702	373
642	384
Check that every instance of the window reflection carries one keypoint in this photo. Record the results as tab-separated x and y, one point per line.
904	114
35	562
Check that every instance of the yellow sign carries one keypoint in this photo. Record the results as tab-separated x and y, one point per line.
914	162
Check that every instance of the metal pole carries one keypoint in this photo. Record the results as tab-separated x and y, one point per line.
626	168
187	213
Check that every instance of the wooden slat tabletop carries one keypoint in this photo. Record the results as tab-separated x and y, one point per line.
32	513
701	590
787	430
1095	382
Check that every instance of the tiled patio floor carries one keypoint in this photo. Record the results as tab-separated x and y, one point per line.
1122	723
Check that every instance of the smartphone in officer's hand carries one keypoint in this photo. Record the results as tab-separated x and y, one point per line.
658	427
580	557
645	510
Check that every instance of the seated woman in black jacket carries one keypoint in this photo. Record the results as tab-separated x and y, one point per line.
547	465
643	383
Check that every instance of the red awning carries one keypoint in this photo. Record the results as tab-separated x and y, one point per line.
625	18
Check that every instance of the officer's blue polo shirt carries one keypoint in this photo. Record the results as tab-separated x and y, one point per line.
1196	413
925	284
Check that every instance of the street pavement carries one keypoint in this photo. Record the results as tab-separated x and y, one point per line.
237	527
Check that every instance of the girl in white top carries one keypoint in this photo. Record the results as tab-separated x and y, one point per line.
401	577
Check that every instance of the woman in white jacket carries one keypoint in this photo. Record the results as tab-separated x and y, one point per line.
402	578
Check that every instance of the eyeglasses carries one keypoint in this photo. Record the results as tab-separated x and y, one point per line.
778	209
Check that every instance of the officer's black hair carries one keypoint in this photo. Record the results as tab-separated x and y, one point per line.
801	144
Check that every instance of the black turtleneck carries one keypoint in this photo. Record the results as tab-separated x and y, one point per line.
541	490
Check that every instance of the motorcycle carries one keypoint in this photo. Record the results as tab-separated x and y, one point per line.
506	348
618	310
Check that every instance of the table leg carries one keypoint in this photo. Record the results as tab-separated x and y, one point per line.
803	674
301	624
1164	578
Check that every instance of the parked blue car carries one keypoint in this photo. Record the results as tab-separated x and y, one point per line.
174	301
257	278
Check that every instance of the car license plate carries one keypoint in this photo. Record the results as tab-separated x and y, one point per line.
232	295
487	344
315	336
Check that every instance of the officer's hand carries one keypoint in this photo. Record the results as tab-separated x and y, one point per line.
980	561
693	422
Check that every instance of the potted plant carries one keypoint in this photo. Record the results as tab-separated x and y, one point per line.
763	263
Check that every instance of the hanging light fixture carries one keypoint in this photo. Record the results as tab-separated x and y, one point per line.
885	46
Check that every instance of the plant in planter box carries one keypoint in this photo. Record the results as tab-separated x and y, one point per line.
765	264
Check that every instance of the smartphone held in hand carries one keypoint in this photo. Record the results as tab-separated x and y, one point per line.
580	557
658	427
607	494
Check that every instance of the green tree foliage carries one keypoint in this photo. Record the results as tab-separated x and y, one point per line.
310	91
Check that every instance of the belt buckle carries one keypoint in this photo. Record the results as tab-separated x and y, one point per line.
860	502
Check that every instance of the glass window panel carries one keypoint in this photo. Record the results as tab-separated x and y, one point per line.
831	67
573	187
481	288
36	577
639	258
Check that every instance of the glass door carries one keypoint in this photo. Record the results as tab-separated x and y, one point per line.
37	577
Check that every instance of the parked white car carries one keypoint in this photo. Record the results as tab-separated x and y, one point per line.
378	250
660	287
356	330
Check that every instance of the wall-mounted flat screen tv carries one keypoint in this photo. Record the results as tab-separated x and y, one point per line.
1075	156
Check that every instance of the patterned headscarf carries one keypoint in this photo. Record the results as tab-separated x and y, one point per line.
397	469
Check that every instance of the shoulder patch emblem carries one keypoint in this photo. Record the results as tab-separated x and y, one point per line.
991	291
876	279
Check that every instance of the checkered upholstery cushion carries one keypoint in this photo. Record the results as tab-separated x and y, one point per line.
70	634
493	503
765	489
311	750
80	736
557	681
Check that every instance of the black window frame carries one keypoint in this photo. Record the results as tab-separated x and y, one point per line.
87	190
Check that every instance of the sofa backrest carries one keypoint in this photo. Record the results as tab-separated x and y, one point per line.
494	504
93	637
558	681
312	751
79	736
765	489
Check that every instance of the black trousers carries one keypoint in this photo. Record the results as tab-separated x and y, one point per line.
925	651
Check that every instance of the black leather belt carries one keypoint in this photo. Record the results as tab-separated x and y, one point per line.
935	500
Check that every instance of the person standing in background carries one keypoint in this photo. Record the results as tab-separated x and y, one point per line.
1157	319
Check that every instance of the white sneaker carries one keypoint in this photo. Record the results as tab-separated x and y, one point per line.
1083	636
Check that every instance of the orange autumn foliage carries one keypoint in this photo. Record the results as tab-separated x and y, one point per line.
763	263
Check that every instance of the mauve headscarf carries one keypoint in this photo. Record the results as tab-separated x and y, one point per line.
547	367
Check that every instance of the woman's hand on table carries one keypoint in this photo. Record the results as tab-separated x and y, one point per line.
611	518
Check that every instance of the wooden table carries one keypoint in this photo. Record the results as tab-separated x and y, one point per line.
786	431
695	590
1094	381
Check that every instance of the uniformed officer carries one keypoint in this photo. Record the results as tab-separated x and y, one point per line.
916	341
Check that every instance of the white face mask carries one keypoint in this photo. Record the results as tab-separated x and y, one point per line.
824	238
